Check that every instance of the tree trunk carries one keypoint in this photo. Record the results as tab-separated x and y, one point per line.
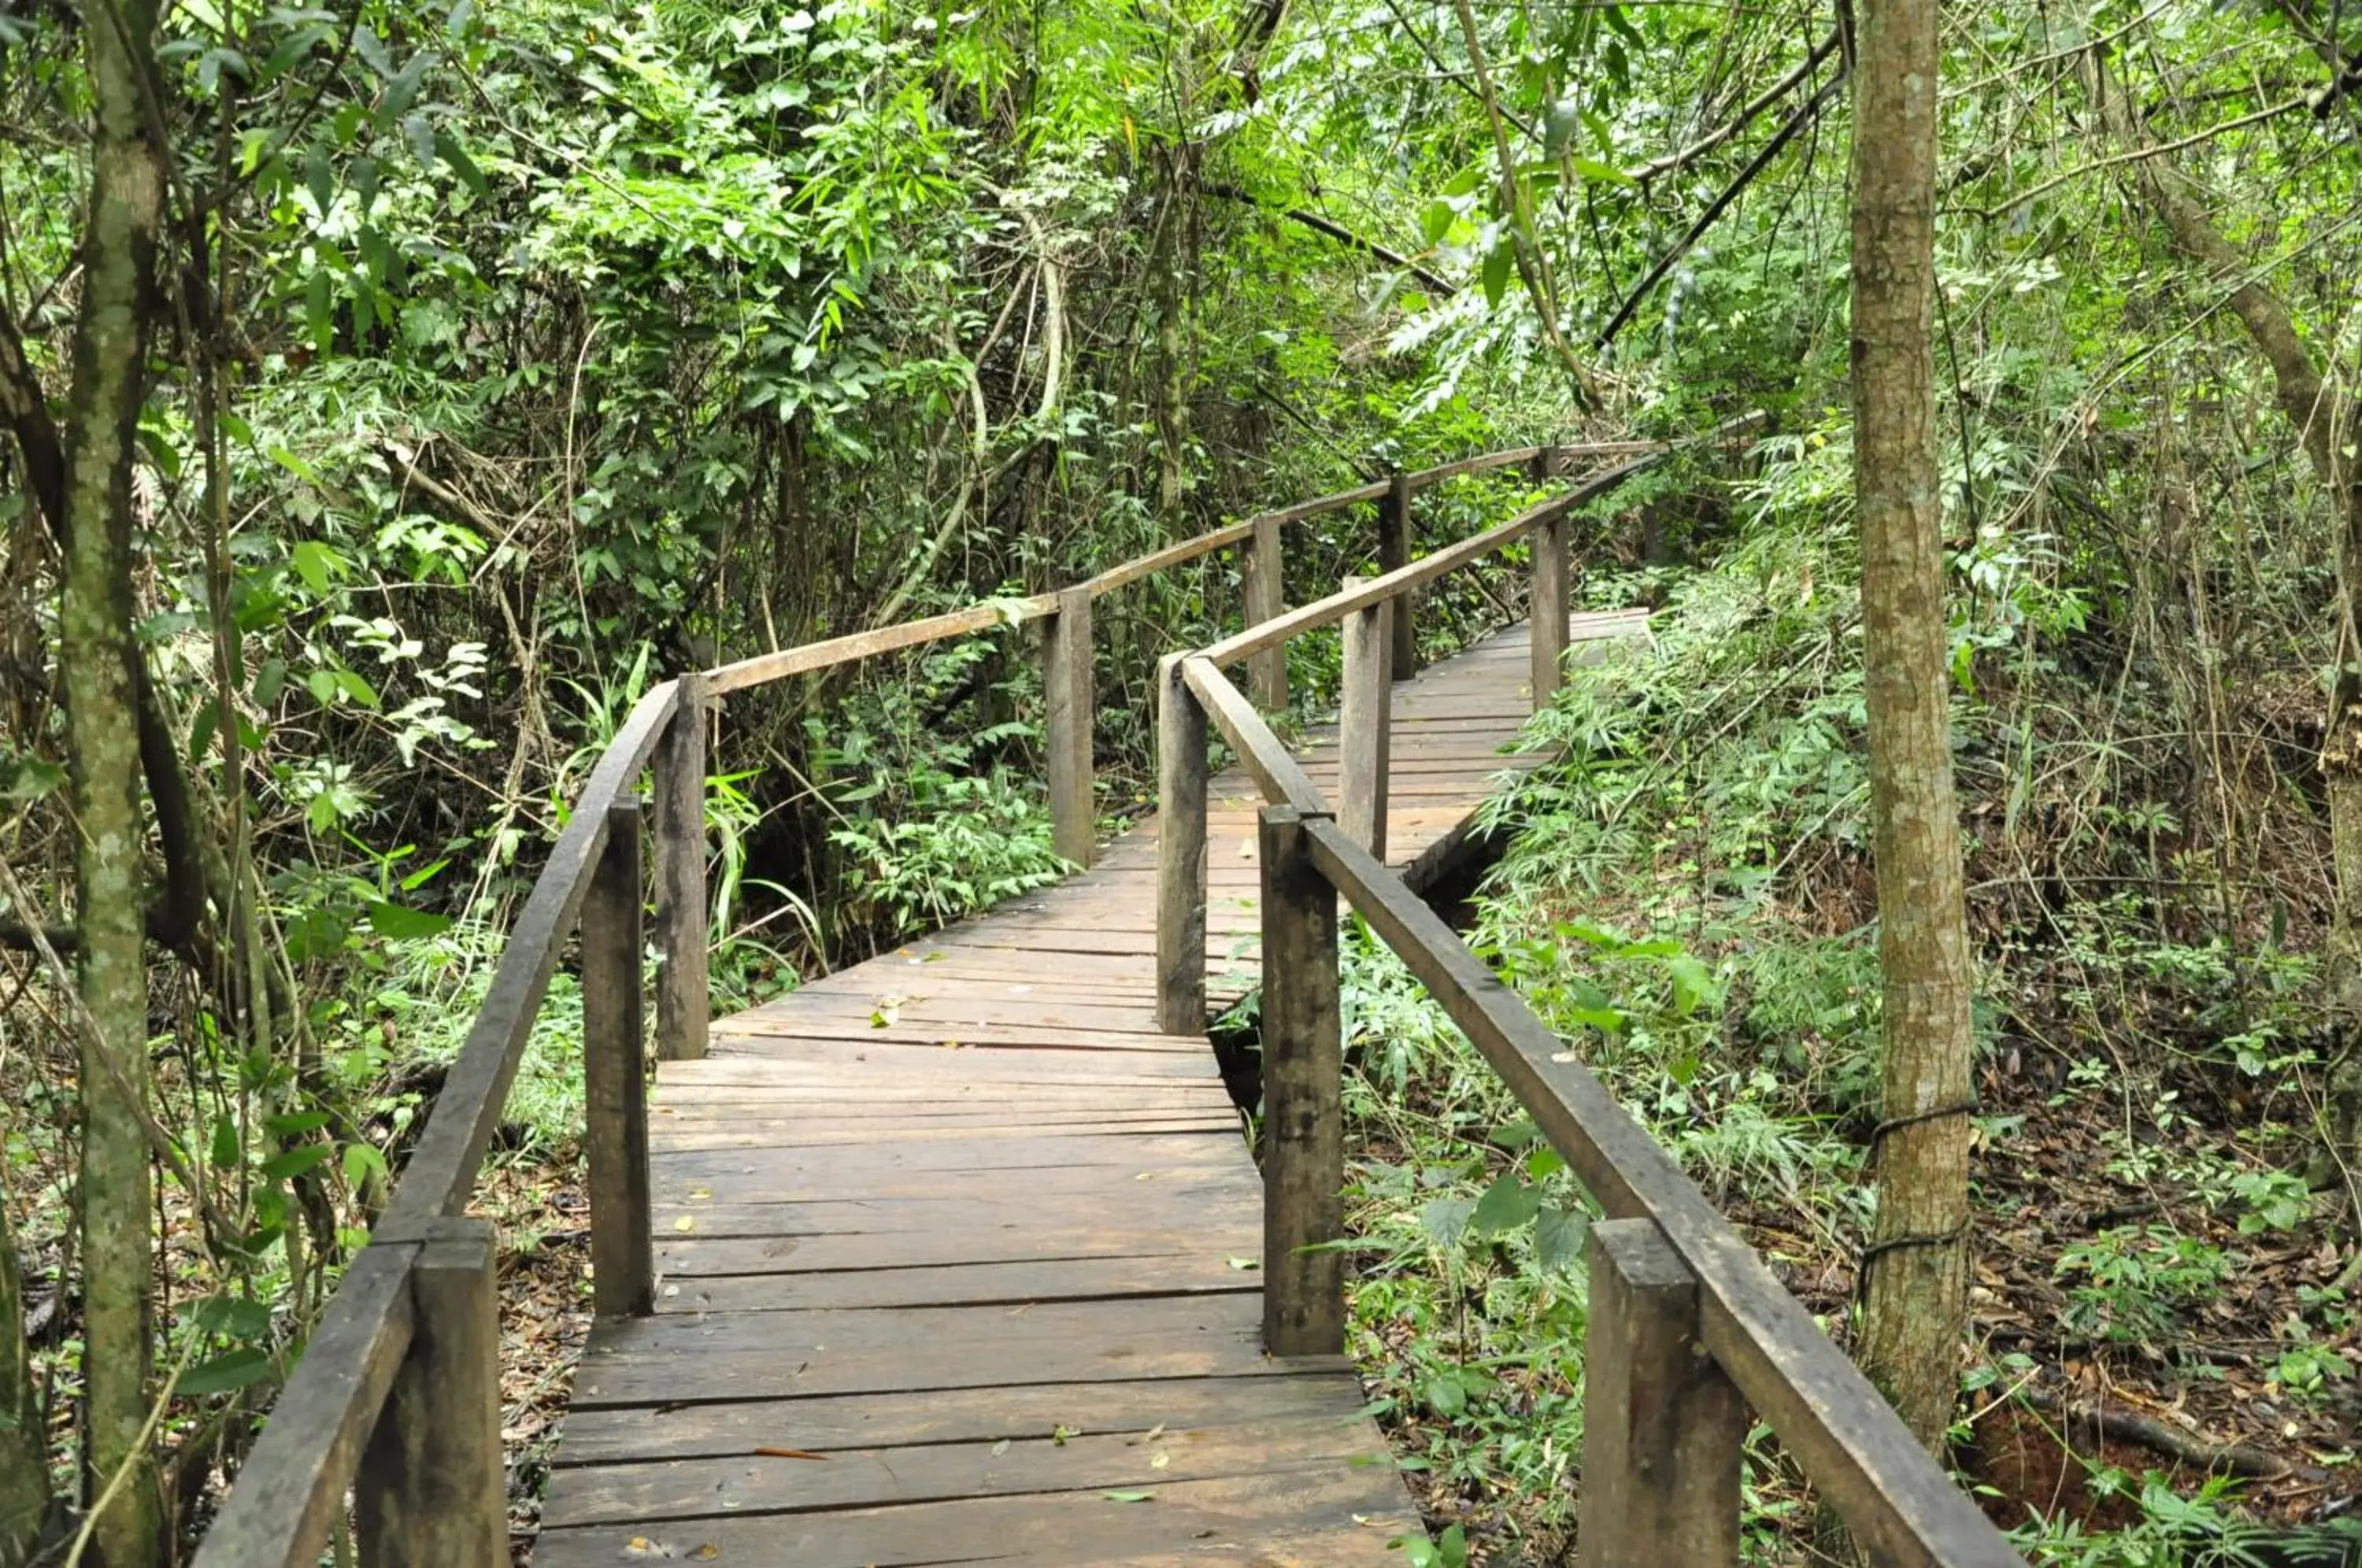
24	1444
110	362
2329	427
1914	1271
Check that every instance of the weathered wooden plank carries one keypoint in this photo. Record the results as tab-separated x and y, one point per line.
1304	1130
1181	768
1396	532
985	1036
997	1283
1143	1206
1190	549
757	1484
1130	1151
757	1135
723	1115
947	1001
810	657
1312	1518
684	993
616	1073
1222	1235
1663	1428
1274	768
1548	597
1364	756
951	1415
1262	585
431	1487
1068	685
758	1355
1224	1167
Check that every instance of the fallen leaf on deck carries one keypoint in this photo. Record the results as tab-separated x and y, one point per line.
791	1453
1125	1496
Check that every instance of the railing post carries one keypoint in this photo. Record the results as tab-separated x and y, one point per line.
615	1074
1365	722
431	1487
1066	680
1180	853
1546	607
1264	587
1663	1425
1303	1115
683	986
1394	551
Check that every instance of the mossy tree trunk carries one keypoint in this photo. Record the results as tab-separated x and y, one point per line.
110	382
1915	1270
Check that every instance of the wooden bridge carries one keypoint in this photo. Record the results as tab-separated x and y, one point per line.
958	1255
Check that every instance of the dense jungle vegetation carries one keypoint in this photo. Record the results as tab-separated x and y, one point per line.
391	392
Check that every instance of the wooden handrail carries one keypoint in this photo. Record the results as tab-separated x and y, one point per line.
807	657
377	1334
1268	761
1895	1499
1684	1277
441	1171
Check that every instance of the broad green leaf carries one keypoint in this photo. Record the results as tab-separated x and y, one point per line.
447	148
232	1317
1559	1237
1506	1204
238	1369
293	1163
1496	273
398	925
321	179
1445	1219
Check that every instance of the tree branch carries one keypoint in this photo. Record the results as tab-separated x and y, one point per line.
1335	231
1746	116
1714	209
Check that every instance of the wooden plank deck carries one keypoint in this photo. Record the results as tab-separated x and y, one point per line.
950	1240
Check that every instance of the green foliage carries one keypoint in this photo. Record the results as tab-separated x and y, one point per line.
2134	1279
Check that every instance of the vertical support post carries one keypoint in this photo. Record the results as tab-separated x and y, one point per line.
1262	585
1303	1111
431	1487
1394	552
1365	722
1180	853
1066	678
683	988
615	1074
1662	1424
1546	605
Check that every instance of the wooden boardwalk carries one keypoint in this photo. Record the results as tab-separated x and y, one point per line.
956	1247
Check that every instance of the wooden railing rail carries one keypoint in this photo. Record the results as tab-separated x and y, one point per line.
396	1400
1687	1328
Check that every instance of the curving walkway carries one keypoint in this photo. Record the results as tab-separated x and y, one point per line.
955	1246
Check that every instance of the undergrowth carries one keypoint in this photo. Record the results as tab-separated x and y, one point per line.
1686	897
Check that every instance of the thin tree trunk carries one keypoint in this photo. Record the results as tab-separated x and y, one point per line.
110	361
2328	426
24	1444
1915	1270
